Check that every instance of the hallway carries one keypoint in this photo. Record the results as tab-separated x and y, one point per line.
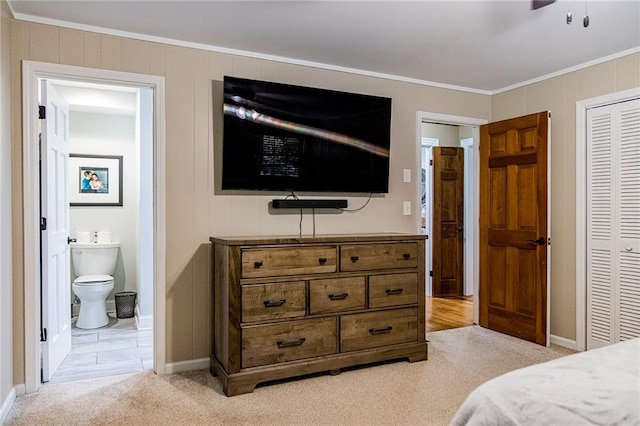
446	313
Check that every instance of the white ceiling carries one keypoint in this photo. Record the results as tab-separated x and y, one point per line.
98	98
480	45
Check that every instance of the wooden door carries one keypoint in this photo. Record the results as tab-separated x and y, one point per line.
56	263
448	214
513	227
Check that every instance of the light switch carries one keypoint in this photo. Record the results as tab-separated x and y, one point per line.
406	208
406	175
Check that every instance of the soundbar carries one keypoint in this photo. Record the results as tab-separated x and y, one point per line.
309	204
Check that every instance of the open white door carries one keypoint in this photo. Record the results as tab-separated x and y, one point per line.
54	193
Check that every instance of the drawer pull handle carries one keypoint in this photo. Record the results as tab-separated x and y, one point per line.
257	265
274	304
322	260
406	255
341	296
374	331
291	343
391	292
354	258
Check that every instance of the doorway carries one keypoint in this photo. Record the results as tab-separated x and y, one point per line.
33	73
432	130
110	136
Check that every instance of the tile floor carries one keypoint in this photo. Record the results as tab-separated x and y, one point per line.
117	348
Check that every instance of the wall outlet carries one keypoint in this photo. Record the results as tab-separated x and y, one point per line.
406	175
406	208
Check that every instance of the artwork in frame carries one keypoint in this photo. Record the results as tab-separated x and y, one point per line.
95	180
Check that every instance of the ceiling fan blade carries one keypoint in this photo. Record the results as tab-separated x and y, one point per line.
537	4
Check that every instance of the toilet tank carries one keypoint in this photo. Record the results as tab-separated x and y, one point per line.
94	258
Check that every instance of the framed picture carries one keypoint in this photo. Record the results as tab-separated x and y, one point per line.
95	180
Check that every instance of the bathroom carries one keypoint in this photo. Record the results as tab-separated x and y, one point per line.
106	133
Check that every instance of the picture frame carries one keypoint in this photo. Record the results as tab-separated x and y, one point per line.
95	180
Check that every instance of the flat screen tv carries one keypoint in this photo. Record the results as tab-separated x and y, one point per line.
280	137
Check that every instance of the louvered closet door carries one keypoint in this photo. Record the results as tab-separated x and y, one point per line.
613	204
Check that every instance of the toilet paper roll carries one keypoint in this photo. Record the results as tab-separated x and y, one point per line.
83	236
104	237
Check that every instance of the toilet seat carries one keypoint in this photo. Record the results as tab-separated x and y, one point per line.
88	280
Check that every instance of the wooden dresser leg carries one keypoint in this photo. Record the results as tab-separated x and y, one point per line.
334	372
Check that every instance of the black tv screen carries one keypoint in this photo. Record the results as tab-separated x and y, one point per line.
280	137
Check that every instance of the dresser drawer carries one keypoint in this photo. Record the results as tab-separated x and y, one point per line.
288	341
273	262
374	329
336	295
393	290
366	257
273	301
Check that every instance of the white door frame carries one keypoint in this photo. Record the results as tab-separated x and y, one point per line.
471	191
475	123
581	203
31	73
428	183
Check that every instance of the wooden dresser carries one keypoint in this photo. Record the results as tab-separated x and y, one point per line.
288	306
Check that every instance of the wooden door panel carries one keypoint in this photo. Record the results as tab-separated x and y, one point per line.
497	281
498	196
448	214
447	207
513	209
527	190
525	296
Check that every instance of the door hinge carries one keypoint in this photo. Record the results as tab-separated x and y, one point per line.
430	273
43	223
549	241
42	112
43	335
431	162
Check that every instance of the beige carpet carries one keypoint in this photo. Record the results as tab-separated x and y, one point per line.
398	393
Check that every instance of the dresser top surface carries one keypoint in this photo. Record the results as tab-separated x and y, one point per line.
308	239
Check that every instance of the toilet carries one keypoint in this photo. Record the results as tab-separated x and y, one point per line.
94	264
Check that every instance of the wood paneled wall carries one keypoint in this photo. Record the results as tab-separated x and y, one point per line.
193	210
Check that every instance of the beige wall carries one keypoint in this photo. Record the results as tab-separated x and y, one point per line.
559	95
446	135
6	348
193	211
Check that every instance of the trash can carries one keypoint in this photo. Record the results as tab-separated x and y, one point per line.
125	304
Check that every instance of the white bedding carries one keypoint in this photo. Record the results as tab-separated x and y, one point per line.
600	386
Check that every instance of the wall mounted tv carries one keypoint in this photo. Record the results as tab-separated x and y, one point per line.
280	137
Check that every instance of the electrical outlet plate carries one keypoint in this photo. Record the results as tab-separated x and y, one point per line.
406	175
406	208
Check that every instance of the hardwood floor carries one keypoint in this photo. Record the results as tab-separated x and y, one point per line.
446	313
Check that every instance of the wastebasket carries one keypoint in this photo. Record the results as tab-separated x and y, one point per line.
125	304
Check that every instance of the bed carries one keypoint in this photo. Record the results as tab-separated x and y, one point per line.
600	386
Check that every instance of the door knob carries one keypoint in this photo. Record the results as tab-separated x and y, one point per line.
71	240
539	241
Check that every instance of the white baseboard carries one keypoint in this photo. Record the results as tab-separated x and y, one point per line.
565	343
143	322
6	405
182	366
